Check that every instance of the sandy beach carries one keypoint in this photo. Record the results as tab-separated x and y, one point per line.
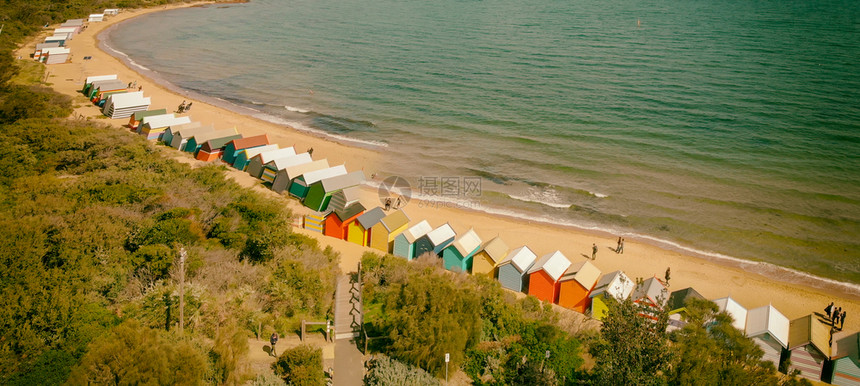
639	259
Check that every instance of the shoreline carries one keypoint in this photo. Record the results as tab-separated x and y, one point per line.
643	259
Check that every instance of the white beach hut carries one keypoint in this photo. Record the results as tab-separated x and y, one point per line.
258	162
96	17
111	11
56	55
769	329
735	310
125	104
181	136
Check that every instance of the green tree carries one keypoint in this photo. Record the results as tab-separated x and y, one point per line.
301	366
384	371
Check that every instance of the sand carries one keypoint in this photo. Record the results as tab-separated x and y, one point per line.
639	259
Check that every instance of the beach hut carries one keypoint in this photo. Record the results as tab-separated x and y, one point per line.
808	346
301	185
245	155
88	82
167	136
735	310
258	162
677	306
96	17
283	177
125	105
491	253
180	137
232	149
60	40
652	296
153	127
135	118
320	193
194	142
273	168
102	89
404	243
37	55
337	222
56	55
214	147
458	256
314	222
612	287
513	269
382	234
359	231
73	23
70	32
111	11
544	276
344	198
845	359
575	285
769	329
435	241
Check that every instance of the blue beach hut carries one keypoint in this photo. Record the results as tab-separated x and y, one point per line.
512	269
404	243
435	241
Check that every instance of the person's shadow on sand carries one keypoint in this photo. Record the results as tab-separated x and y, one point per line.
267	349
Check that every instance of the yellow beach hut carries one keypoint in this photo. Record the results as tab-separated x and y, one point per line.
492	253
382	234
612	287
359	231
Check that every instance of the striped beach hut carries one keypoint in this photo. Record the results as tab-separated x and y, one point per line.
314	222
652	295
167	136
232	149
677	306
458	256
337	222
135	118
769	329
492	252
404	243
808	346
735	310
435	241
359	231
195	141
301	185
612	287
513	269
382	234
180	137
153	127
102	89
845	358
125	105
283	177
212	149
88	82
244	156
257	163
320	193
344	198
545	274
575	285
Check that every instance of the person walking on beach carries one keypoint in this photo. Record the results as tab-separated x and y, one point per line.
621	247
618	247
274	340
594	251
388	203
181	107
188	108
842	320
836	316
668	276
828	310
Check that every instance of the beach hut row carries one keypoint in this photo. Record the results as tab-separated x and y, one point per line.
53	49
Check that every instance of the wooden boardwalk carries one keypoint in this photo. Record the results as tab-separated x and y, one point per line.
348	359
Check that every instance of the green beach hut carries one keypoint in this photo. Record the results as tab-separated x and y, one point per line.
320	193
244	156
301	185
168	134
285	176
458	256
232	149
404	243
344	198
195	142
845	359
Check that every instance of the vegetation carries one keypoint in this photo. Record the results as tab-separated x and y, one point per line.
383	371
301	366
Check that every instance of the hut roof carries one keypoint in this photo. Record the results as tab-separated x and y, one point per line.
42	46
735	310
129	99
65	30
441	234
417	231
107	85
522	258
138	115
395	220
293	160
652	289
300	169
201	138
496	249
467	242
615	284
218	143
584	273
244	143
809	330
159	120
73	22
250	153
350	194
846	344
678	299
188	132
271	155
321	174
767	319
349	211
371	217
343	181
554	264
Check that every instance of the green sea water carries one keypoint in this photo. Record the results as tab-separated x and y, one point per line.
726	128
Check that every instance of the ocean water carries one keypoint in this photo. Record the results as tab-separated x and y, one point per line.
727	128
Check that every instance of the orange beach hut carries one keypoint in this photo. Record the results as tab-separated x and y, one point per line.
545	274
337	222
575	285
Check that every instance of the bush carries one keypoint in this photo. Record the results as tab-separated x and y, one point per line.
301	366
384	371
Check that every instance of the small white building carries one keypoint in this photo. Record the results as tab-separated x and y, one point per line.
56	55
95	17
111	11
125	104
